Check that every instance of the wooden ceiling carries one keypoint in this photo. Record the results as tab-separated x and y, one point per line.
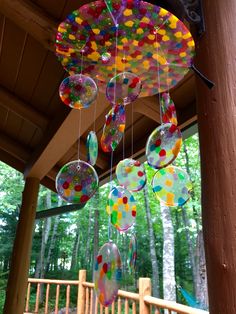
38	134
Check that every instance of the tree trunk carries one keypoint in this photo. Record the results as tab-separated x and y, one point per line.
87	246
187	166
201	282
169	284
155	272
74	258
96	226
53	238
45	235
190	248
52	243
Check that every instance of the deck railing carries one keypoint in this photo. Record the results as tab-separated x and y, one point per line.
87	303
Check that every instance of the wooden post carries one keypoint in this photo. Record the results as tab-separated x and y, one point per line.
20	261
81	292
217	133
144	289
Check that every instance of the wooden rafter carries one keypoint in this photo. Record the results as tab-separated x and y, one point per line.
25	111
14	148
53	149
32	19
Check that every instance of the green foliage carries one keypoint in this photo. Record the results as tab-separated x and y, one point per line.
11	186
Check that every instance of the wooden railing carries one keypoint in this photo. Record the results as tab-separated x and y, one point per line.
87	303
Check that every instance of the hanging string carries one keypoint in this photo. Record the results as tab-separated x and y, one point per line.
109	10
81	70
82	61
158	78
95	111
116	52
132	130
79	134
109	216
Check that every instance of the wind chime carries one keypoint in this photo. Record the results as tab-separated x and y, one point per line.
126	49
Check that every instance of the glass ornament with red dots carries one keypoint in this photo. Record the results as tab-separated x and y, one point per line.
130	174
121	206
77	182
163	145
107	273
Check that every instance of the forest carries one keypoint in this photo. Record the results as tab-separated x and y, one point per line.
170	241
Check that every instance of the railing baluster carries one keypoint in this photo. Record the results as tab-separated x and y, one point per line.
119	306
67	299
28	297
101	309
87	301
126	306
134	307
96	305
106	310
57	299
47	297
36	309
91	302
157	310
113	308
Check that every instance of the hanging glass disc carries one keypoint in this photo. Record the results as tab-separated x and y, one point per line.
113	129
131	175
107	273
163	145
172	186
78	91
168	109
150	40
121	206
76	182
92	148
123	88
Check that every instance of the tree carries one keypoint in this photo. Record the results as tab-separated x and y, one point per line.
169	285
155	272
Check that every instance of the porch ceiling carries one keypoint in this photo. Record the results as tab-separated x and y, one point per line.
38	134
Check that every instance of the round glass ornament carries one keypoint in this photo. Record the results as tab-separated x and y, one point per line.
147	41
78	91
113	129
92	148
130	174
172	186
107	273
76	182
123	88
163	145
121	206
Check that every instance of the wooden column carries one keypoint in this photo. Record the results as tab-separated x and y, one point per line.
145	289
216	57
18	277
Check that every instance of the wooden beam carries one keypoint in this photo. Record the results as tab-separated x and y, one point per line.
25	111
215	56
102	160
13	148
32	19
149	107
12	161
54	148
58	210
20	261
